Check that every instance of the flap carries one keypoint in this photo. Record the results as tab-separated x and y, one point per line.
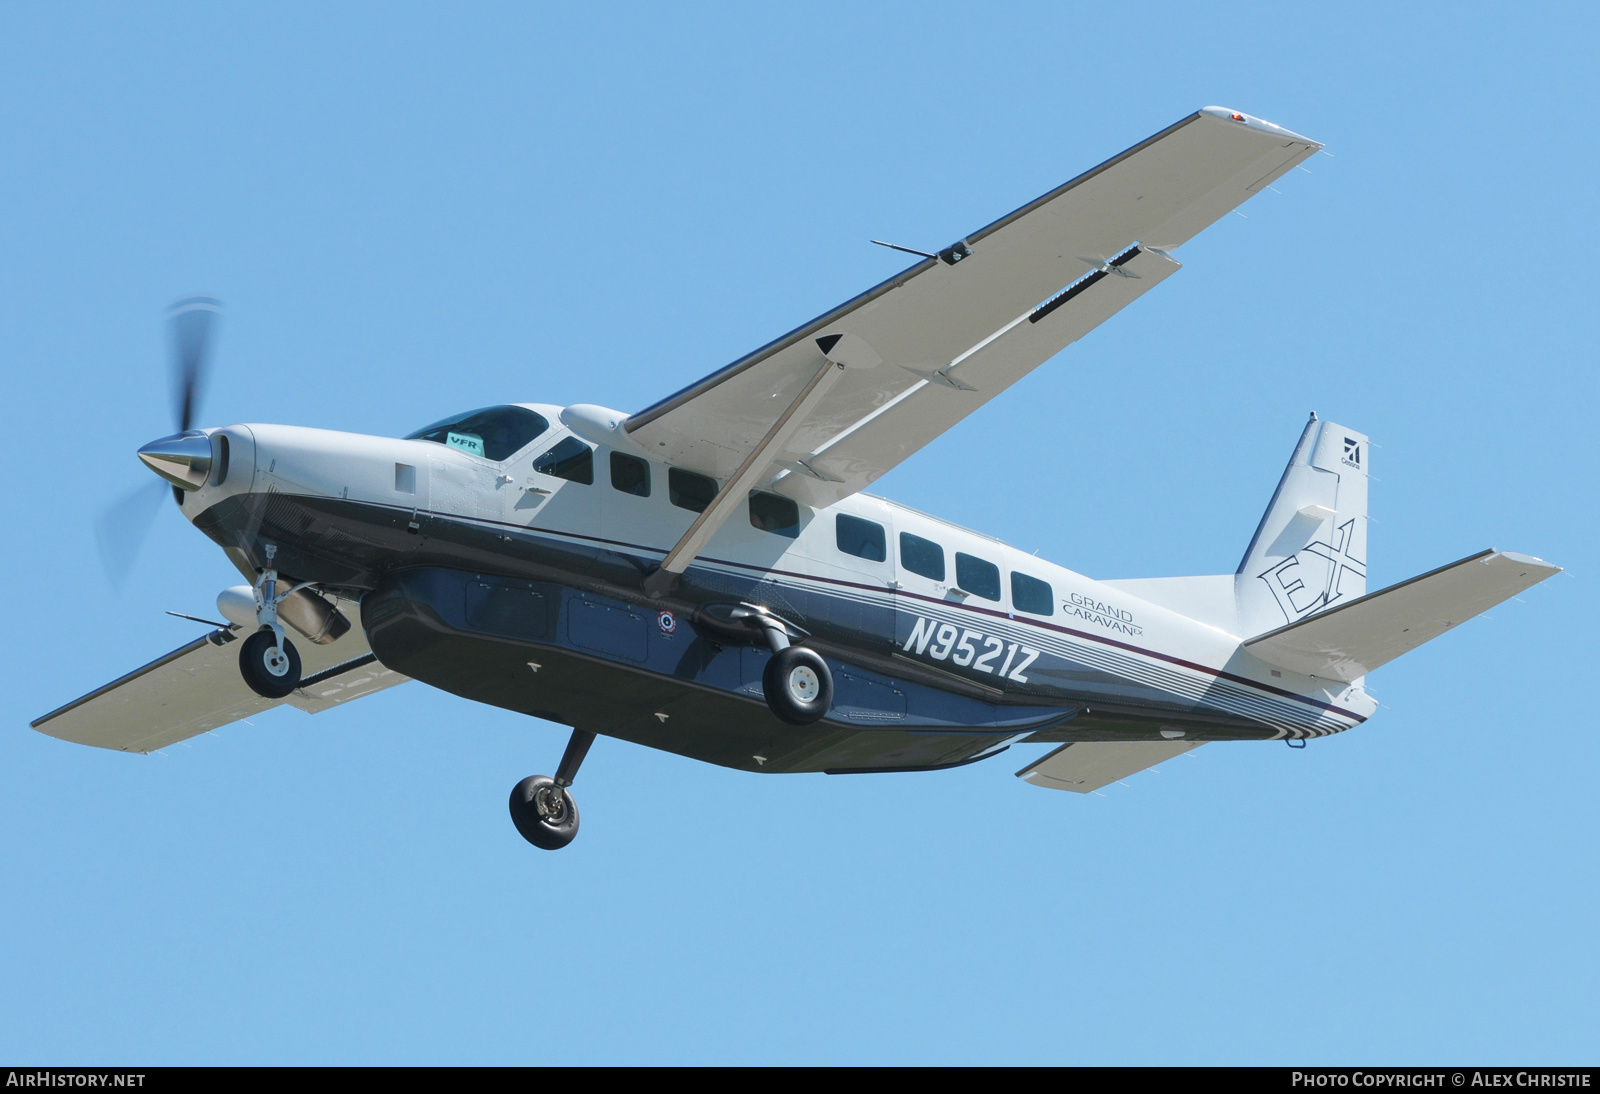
930	345
1345	643
1089	765
197	687
823	465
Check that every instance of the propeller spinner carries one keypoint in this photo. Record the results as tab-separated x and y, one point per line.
183	459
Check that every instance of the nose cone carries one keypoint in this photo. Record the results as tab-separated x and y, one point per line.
183	459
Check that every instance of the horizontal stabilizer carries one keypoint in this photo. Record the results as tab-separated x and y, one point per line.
1349	641
1089	765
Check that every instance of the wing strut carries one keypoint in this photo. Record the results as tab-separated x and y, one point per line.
750	472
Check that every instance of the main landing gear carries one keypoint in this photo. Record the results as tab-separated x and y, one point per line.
797	682
267	660
797	685
541	807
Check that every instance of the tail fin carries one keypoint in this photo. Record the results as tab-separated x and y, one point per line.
1310	550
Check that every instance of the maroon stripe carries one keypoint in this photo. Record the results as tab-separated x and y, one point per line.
1104	641
1085	635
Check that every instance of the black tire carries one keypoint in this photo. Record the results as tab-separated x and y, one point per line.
798	685
257	664
548	828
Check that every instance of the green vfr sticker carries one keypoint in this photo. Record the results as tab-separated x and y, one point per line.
467	442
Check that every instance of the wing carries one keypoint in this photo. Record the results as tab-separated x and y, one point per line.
929	346
1088	765
1347	642
197	687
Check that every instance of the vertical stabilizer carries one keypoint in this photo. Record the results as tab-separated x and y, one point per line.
1310	551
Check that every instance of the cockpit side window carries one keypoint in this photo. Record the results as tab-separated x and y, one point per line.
495	432
571	460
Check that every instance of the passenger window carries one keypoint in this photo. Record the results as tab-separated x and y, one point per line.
861	538
630	474
689	491
922	556
776	514
1029	594
571	460
978	577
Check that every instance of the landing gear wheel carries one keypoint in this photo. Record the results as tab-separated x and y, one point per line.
270	674
798	685
543	812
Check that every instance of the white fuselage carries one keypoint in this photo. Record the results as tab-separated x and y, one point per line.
1097	642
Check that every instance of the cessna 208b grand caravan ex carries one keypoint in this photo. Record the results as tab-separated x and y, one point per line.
707	576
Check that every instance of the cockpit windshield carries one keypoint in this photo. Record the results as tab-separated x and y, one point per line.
495	432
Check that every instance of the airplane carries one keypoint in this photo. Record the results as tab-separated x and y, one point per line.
709	576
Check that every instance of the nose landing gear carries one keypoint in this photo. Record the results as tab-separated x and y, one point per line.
541	807
271	670
268	662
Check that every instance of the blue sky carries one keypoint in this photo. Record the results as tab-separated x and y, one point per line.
411	210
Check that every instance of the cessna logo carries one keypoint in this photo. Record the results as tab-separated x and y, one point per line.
970	649
1352	452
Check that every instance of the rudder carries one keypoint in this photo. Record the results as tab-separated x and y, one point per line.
1309	552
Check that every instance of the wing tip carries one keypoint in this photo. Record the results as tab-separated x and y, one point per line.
1253	122
1529	560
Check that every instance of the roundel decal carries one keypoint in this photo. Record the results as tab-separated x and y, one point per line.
667	622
